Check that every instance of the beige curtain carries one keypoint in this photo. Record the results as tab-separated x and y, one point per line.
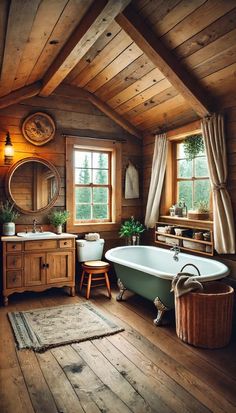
157	178
223	227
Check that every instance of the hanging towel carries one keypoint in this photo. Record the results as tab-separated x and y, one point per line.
131	182
184	283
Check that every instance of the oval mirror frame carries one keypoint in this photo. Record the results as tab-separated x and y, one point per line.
9	177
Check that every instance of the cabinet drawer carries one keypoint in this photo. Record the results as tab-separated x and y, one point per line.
39	245
14	246
14	279
66	243
14	261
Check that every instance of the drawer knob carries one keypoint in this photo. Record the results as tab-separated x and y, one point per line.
13	247
65	243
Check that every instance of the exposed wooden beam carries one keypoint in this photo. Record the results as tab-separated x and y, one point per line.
71	91
166	62
96	20
18	95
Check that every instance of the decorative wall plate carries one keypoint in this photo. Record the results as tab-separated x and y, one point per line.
38	128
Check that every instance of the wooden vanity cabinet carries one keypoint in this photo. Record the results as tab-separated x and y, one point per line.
37	265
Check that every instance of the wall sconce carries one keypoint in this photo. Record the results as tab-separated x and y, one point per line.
8	150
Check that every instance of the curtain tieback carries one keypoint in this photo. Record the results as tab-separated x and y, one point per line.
217	187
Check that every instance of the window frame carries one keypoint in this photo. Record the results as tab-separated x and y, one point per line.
93	144
93	185
193	179
169	191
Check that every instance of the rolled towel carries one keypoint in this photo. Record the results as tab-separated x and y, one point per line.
184	283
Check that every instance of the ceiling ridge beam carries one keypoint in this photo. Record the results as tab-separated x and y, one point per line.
165	61
107	110
18	95
98	17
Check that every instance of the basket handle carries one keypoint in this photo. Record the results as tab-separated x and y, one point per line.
192	266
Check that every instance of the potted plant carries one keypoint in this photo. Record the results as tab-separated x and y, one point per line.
57	219
200	212
131	230
193	145
8	216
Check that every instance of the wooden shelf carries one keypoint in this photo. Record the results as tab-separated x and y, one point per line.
185	238
200	241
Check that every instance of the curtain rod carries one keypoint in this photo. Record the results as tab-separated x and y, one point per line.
70	135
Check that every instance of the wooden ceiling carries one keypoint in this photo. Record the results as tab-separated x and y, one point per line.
148	64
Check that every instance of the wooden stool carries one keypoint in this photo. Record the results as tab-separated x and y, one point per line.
92	268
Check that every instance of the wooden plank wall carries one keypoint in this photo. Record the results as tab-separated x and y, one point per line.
230	122
72	116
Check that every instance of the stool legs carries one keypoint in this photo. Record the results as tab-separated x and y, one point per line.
108	284
88	286
82	280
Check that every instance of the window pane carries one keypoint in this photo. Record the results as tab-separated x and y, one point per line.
201	190
100	176
83	211
100	160
100	195
82	159
83	195
180	151
184	169
100	211
82	176
185	191
201	168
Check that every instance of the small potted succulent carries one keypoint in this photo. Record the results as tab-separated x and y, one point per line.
131	230
57	219
8	216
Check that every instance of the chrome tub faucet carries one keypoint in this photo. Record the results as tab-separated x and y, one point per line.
176	252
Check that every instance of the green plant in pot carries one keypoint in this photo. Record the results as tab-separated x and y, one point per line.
8	217
131	230
58	219
200	211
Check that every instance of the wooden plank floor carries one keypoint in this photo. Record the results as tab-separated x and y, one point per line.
143	369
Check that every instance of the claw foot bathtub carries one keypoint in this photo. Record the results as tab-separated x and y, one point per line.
148	271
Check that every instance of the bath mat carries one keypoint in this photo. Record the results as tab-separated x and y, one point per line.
45	328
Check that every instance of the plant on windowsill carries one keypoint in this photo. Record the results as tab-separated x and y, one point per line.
57	219
131	230
200	212
8	216
193	145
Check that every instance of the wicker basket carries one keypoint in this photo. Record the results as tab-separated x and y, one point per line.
204	319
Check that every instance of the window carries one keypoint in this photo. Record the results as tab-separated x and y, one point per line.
93	184
184	180
192	178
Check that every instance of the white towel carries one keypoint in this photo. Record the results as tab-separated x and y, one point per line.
131	182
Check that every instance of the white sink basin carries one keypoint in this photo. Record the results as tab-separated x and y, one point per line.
31	235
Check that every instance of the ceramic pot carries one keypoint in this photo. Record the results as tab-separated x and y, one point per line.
9	228
59	229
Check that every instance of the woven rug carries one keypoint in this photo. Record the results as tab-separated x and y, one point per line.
45	328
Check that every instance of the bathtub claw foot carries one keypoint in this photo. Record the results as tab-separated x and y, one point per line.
121	288
161	309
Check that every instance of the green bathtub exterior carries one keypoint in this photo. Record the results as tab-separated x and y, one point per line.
146	285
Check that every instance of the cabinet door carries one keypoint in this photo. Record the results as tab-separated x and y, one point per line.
59	266
35	269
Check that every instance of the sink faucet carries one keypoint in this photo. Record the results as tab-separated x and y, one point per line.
176	252
34	229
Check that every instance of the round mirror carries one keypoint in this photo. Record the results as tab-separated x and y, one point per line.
33	185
